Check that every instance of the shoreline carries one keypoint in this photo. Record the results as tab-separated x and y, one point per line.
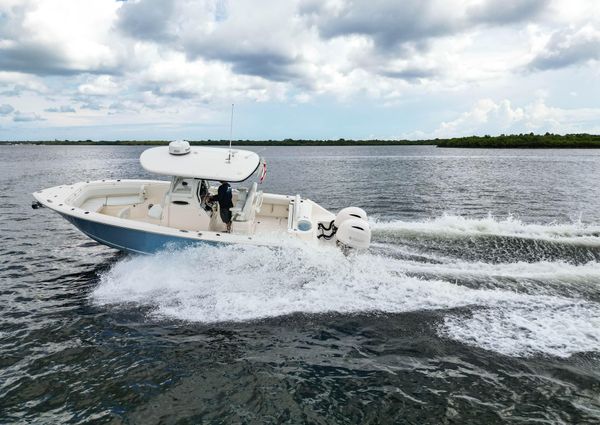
520	141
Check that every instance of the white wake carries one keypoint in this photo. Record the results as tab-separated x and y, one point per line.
217	284
452	225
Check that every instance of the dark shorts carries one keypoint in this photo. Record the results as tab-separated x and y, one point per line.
225	215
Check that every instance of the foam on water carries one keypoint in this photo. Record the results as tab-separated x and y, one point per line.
556	329
215	284
543	277
557	270
452	225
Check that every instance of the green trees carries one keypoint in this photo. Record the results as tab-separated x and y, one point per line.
523	141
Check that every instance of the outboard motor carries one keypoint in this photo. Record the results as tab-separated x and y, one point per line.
349	213
354	233
350	228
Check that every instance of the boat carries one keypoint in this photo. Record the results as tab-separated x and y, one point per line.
146	216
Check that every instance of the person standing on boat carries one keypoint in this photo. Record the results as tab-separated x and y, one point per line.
225	199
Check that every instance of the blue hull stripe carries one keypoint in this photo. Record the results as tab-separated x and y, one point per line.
132	240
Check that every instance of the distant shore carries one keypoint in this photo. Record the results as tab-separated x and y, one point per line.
524	141
516	141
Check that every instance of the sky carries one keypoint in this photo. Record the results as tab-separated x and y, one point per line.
304	69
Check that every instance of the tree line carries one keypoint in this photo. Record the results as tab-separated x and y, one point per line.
522	141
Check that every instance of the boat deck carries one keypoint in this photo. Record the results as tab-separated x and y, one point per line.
127	204
265	225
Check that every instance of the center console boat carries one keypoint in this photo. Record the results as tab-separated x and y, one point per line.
146	216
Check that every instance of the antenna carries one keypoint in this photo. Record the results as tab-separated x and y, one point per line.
230	133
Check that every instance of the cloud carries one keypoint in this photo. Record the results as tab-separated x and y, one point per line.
269	65
146	19
486	115
260	38
6	109
15	83
165	59
92	106
64	108
34	59
490	117
61	37
339	47
411	73
99	86
507	11
205	81
568	47
26	117
392	23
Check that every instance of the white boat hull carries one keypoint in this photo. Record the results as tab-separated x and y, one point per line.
111	214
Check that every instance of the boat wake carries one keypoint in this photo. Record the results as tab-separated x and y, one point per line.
493	240
515	307
452	225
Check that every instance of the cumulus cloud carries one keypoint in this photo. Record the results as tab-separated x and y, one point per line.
177	77
61	37
260	38
63	108
411	73
6	109
569	47
15	83
147	20
310	46
507	11
293	42
391	23
26	117
92	106
99	86
496	117
137	58
486	115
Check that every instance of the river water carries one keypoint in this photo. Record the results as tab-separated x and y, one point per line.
479	301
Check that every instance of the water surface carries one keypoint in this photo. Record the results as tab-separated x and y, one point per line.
479	301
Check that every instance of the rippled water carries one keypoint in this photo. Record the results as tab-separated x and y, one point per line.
479	301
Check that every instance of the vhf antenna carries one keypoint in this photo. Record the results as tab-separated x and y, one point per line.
230	133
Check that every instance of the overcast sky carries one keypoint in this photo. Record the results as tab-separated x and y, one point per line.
166	69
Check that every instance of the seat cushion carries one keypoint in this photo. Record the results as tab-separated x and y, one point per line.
93	204
124	200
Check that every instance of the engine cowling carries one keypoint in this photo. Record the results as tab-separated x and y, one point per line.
347	214
354	233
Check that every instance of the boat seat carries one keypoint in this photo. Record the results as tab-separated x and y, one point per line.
135	194
239	203
124	200
155	212
245	213
123	213
241	199
97	203
93	204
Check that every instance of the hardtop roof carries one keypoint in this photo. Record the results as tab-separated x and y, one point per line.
202	162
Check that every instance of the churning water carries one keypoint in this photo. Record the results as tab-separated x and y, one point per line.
479	301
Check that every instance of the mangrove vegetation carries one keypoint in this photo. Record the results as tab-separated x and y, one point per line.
519	141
